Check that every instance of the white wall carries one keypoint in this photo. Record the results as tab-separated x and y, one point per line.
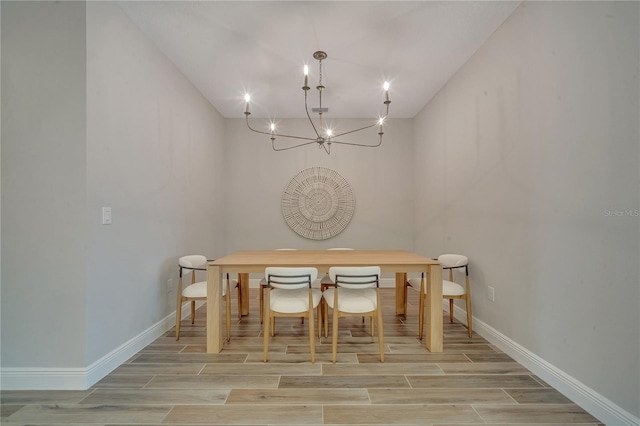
155	156
44	196
95	116
379	177
536	140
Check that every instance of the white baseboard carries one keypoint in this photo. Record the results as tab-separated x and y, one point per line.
591	401
83	378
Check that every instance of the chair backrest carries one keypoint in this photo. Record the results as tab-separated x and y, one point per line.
190	262
290	278
454	261
355	276
449	261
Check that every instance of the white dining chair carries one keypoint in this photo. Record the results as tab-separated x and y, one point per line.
356	293
289	293
188	265
450	289
325	283
263	286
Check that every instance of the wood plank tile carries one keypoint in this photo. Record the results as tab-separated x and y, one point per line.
439	396
489	357
448	349
321	358
538	396
42	396
171	348
264	369
246	414
345	382
380	369
213	382
539	413
484	368
122	381
473	381
75	413
420	414
8	409
298	396
371	348
413	358
159	368
157	396
162	358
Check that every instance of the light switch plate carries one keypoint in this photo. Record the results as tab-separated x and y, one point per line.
106	215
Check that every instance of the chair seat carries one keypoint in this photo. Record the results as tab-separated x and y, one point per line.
449	288
199	289
293	301
352	300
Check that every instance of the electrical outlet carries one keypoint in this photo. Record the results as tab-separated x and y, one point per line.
491	293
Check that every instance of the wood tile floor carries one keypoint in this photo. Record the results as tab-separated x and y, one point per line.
178	383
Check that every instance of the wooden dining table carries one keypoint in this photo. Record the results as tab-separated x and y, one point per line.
399	262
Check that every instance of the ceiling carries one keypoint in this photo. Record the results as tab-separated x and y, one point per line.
227	48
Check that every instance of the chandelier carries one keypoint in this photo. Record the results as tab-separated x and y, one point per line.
324	136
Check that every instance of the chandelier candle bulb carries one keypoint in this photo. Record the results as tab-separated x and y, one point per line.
247	98
306	78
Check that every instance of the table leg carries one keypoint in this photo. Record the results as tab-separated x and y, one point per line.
434	308
243	278
401	279
214	309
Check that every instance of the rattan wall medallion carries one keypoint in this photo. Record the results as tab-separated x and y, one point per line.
318	203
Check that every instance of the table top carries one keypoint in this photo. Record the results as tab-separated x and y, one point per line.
390	260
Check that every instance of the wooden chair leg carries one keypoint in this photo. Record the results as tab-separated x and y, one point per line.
178	317
325	311
373	325
334	335
406	294
227	299
451	306
261	303
239	301
380	333
421	314
469	316
193	312
312	337
266	328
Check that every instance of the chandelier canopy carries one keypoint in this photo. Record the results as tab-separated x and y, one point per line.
324	136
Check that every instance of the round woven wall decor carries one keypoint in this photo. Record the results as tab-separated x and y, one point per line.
318	203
